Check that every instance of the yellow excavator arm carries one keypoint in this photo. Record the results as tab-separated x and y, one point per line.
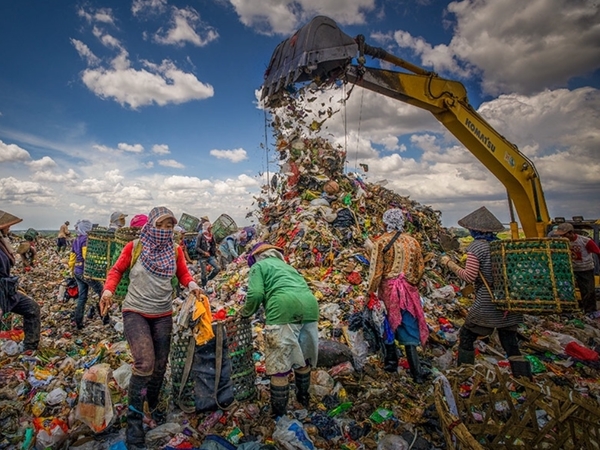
321	52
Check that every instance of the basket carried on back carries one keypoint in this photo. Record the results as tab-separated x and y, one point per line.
122	237
189	239
98	253
534	276
484	408
188	223
223	227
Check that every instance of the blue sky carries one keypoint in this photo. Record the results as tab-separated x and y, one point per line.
126	105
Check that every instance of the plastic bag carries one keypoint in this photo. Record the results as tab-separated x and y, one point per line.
360	349
122	375
95	404
50	433
291	435
392	442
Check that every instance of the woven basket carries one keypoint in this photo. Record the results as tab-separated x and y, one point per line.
189	240
177	360
240	343
223	227
122	237
98	253
490	415
188	223
533	276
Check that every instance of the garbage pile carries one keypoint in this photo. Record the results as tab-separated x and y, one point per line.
325	220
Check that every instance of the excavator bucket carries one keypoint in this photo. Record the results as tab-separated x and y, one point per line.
317	50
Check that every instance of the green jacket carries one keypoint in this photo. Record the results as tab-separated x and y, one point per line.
282	291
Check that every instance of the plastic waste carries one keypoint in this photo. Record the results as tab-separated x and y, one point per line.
122	375
392	442
11	348
95	404
340	409
291	435
120	445
210	421
56	397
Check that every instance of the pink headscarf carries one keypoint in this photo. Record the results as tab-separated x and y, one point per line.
139	220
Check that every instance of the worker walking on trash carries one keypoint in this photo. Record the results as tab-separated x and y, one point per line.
206	249
484	316
582	250
395	269
63	234
152	261
76	267
13	300
26	249
291	332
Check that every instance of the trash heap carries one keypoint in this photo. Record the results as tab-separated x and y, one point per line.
325	220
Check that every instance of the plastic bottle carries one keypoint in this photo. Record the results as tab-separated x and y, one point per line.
340	409
210	421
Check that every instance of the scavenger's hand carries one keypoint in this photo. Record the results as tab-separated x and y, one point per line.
106	302
195	289
444	260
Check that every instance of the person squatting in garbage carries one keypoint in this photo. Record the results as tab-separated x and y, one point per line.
582	250
291	316
229	247
26	249
76	267
484	316
206	247
152	261
395	269
13	300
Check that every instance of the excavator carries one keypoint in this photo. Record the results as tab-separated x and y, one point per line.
320	52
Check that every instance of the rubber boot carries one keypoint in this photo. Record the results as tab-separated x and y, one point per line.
465	357
135	436
412	356
390	361
520	367
153	399
302	385
280	392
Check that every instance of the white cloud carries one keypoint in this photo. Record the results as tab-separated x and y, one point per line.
139	7
186	27
43	163
85	52
13	153
22	192
171	163
135	148
161	149
283	17
98	15
235	156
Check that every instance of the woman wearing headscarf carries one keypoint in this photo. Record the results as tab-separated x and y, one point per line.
483	316
76	266
395	271
152	261
13	300
291	316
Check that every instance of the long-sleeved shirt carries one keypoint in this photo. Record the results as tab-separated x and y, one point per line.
147	294
403	257
282	291
582	249
77	255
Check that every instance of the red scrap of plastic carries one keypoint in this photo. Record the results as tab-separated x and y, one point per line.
220	315
577	351
13	335
354	278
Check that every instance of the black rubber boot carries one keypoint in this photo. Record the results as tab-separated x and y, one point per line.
520	367
135	436
465	357
153	399
390	361
279	399
302	386
418	375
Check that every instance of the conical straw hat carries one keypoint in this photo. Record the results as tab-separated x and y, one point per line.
481	220
7	219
